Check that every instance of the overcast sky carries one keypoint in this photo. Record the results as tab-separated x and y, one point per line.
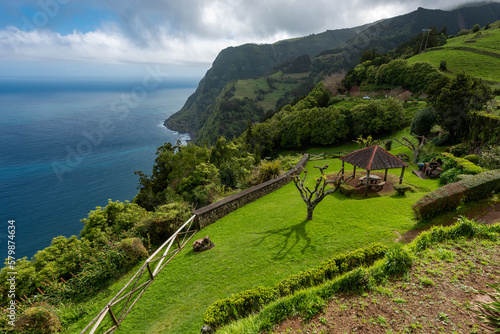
85	37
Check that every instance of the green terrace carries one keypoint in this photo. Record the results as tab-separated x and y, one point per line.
261	244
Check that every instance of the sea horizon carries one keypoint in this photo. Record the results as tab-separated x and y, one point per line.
71	144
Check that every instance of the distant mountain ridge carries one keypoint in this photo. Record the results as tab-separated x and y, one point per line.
333	50
248	61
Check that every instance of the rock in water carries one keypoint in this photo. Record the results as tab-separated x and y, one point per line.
202	245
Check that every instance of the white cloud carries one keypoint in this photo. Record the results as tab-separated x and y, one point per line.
112	46
189	31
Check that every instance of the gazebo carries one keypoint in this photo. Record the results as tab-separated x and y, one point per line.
373	158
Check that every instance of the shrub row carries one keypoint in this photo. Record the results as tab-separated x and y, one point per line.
465	165
456	166
247	302
307	303
481	186
447	198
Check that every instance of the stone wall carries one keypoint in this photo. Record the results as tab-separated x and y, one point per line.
211	213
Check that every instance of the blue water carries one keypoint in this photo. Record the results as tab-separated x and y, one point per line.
69	146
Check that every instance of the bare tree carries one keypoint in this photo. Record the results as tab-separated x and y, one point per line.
415	148
312	198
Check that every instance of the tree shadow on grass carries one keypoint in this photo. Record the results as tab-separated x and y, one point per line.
292	236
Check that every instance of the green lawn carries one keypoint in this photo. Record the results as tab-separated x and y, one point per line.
477	65
283	83
477	54
261	244
483	40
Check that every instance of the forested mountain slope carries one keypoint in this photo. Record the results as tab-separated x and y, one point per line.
334	51
248	61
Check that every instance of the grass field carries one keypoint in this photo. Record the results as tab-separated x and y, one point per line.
261	244
268	97
457	61
477	54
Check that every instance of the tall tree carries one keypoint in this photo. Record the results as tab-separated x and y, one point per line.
454	99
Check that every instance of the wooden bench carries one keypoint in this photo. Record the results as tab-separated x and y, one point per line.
377	186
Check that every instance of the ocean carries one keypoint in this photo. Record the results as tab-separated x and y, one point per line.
69	145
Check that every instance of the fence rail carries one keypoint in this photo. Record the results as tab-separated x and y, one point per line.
329	155
126	298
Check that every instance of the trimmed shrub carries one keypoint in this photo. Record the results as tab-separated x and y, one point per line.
444	199
441	140
238	306
331	268
481	186
133	249
442	65
347	189
459	150
455	166
474	158
40	318
388	145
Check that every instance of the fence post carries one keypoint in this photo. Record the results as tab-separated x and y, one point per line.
113	316
150	271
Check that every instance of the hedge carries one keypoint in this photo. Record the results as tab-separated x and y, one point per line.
243	304
481	186
469	188
446	198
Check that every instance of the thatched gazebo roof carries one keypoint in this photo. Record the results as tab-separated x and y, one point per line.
373	158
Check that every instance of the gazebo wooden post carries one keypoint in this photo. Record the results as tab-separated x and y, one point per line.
385	176
367	180
402	174
354	172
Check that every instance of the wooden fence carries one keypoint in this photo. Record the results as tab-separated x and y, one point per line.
329	155
121	304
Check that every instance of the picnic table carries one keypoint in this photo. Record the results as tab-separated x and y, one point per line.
373	179
373	182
